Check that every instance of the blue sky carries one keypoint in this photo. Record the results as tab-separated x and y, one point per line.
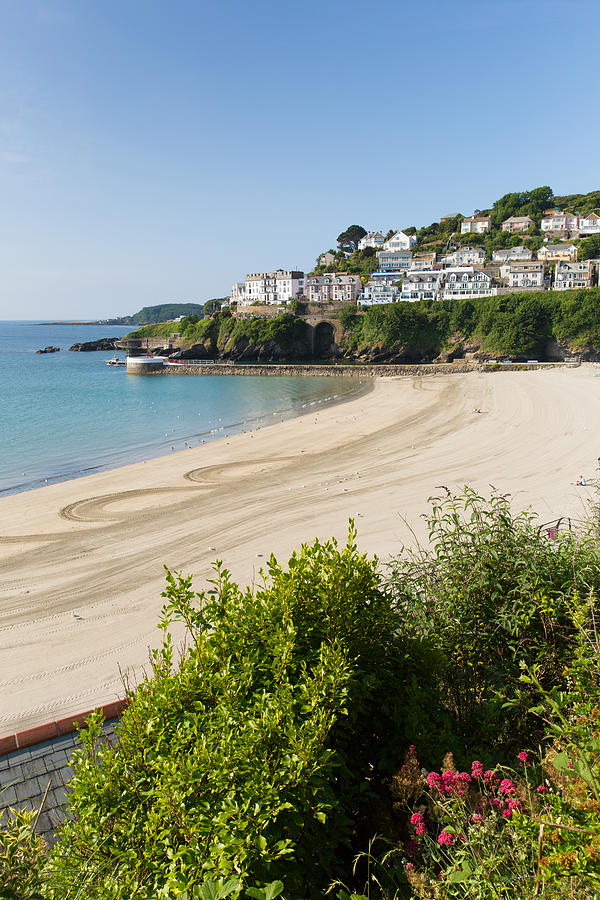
154	151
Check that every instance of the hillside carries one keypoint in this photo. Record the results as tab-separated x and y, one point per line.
545	325
444	235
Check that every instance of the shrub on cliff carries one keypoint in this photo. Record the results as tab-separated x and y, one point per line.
257	758
493	594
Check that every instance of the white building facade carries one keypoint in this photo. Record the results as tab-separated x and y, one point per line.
560	221
526	274
273	287
382	287
238	293
516	253
400	241
424	285
465	256
373	239
568	276
476	225
589	224
467	282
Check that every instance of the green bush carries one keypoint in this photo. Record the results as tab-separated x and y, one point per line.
492	594
258	757
22	856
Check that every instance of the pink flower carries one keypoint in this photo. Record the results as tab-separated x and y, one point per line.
445	839
507	786
434	780
476	819
541	789
507	813
477	769
523	757
489	776
513	804
420	830
449	782
417	819
409	867
464	778
498	804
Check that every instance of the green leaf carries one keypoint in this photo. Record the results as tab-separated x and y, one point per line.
273	889
561	762
457	877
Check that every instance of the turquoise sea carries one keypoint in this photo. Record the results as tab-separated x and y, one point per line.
67	414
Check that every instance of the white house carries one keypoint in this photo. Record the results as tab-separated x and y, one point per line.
558	253
589	224
400	241
465	256
560	221
520	253
238	293
575	275
273	287
373	239
515	224
525	274
467	282
336	287
476	225
382	287
424	285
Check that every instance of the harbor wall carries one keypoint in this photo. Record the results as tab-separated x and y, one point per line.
359	371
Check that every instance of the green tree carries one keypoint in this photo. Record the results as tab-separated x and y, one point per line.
348	239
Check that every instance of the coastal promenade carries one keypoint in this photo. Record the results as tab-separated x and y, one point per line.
82	561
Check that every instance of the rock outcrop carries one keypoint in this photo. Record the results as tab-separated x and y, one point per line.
49	350
100	344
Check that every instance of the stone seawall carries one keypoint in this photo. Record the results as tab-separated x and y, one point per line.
360	371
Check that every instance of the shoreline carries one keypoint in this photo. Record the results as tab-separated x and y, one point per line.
84	558
203	437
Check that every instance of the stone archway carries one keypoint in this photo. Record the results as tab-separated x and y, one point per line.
323	340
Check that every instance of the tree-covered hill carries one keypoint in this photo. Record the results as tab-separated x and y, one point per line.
160	313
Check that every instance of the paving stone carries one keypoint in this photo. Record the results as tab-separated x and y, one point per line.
31	769
26	789
8	796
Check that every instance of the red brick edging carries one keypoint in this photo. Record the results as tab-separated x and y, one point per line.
40	733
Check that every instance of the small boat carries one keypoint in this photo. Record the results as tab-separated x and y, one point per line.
116	361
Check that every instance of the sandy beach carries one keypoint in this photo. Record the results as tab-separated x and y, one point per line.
82	561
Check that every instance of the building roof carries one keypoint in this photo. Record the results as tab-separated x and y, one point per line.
555	247
518	219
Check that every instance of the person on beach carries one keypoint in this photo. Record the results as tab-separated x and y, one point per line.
581	481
